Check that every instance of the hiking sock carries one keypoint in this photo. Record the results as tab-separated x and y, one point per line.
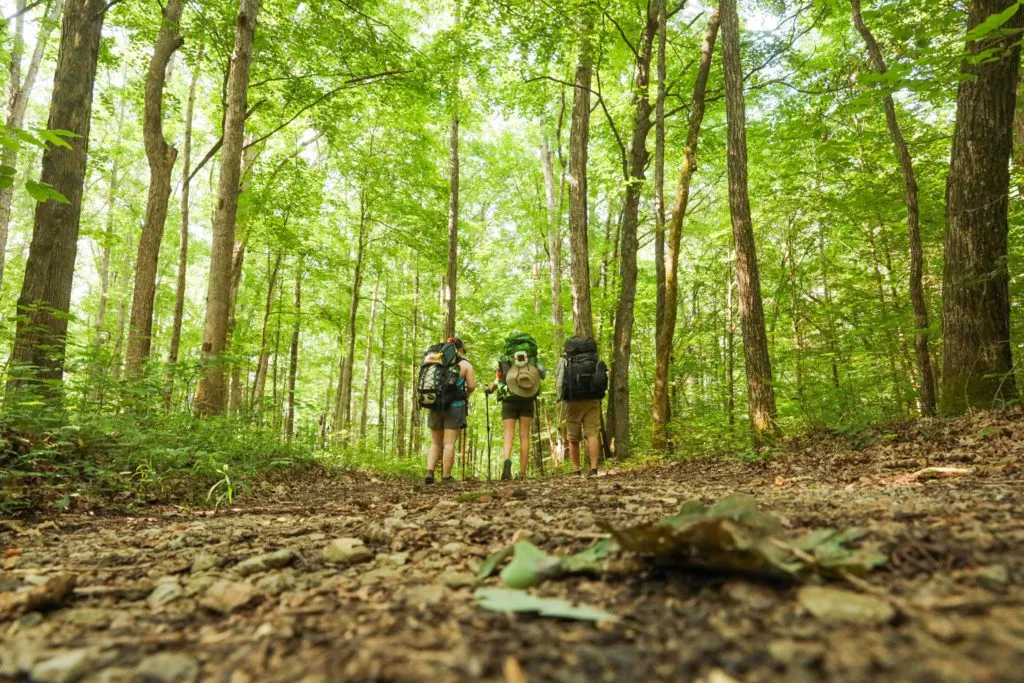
506	470
429	479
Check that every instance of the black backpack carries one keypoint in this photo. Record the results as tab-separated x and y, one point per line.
581	373
438	382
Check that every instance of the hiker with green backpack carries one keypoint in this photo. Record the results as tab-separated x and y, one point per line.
446	380
518	385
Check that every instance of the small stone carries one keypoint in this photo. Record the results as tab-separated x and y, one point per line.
835	605
453	548
88	617
347	551
430	594
396	559
205	562
790	652
65	667
459	580
993	575
164	592
168	667
227	596
261	563
379	575
276	583
749	594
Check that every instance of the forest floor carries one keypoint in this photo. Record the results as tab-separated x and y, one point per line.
176	595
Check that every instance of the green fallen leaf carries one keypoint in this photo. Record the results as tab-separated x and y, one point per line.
530	565
507	600
493	560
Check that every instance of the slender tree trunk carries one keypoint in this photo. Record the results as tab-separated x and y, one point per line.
760	390
293	360
579	139
978	359
186	170
381	415
415	418
667	314
926	382
657	431
830	317
161	156
635	168
18	91
44	304
400	407
554	242
274	396
263	360
365	396
210	394
345	393
730	336
451	281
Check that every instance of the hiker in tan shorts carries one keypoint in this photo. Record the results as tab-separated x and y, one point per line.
581	381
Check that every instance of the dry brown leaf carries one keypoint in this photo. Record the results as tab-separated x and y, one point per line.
513	671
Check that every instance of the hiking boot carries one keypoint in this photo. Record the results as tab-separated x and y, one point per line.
506	470
592	473
447	480
520	476
429	479
578	473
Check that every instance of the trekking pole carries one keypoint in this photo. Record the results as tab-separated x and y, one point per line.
606	451
463	454
487	405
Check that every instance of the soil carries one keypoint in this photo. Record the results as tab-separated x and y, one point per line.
177	595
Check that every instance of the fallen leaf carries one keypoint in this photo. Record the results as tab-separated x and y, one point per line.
513	671
45	596
835	605
530	565
12	552
509	600
779	481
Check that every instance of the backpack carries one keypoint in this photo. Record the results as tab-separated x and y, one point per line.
581	374
518	369
438	382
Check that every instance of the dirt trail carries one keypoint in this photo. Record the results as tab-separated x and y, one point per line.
167	597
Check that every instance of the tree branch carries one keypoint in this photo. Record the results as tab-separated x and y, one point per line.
216	146
25	10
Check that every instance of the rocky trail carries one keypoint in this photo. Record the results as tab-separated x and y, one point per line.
350	578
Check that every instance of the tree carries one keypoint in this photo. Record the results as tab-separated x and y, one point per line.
926	380
210	394
44	304
579	140
293	356
668	312
452	277
978	362
161	156
554	233
760	391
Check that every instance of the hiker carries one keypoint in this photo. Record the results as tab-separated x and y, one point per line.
518	384
581	381
446	380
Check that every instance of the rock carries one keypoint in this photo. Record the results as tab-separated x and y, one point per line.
261	563
205	562
227	596
276	583
379	575
430	594
164	592
750	594
835	605
794	652
396	559
347	551
453	549
88	617
994	576
168	667
65	667
198	584
459	580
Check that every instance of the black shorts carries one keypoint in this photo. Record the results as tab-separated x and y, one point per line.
513	409
449	418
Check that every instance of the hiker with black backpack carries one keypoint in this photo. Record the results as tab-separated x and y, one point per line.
581	381
446	380
518	385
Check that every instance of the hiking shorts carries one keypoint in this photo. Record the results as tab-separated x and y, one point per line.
512	409
453	417
581	418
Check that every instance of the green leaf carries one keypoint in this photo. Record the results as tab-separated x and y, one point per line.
993	23
505	600
42	192
493	560
530	566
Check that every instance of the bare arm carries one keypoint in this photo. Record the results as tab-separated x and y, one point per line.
470	376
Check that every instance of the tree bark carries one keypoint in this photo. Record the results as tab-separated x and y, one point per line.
293	359
186	169
760	390
635	174
44	303
263	360
451	281
658	424
18	91
210	394
344	408
668	313
579	138
926	380
161	156
978	360
381	415
365	396
554	242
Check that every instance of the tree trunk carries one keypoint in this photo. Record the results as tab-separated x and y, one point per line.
345	386
628	245
186	170
18	91
730	336
415	433
161	157
554	243
451	281
381	416
657	432
978	362
293	359
210	394
667	314
275	405
400	414
365	397
926	381
45	300
263	360
579	138
760	391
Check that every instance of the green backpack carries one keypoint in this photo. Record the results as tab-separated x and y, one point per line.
518	368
